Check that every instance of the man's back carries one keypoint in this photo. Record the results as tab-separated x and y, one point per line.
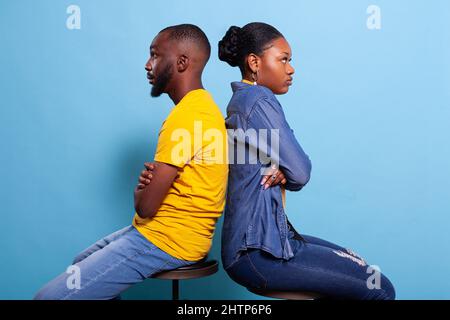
192	138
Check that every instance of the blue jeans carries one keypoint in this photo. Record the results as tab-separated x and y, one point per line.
317	266
109	267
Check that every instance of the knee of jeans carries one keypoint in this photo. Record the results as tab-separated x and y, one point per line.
78	258
45	294
81	256
388	288
386	291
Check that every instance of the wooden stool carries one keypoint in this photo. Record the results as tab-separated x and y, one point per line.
289	295
200	269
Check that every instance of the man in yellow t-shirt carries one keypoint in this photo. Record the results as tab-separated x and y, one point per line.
192	140
178	206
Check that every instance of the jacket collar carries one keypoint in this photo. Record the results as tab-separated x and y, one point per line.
239	85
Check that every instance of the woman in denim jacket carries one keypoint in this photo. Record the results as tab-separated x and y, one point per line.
260	248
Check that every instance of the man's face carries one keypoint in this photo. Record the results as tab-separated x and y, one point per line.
159	66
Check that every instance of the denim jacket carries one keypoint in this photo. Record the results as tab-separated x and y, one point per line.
254	217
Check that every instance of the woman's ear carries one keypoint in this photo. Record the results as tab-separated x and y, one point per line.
253	62
182	63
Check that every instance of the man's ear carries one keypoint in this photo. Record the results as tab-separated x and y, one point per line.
182	63
253	62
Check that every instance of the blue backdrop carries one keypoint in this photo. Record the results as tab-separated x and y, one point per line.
369	106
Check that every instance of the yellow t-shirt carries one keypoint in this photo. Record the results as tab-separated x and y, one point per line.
193	138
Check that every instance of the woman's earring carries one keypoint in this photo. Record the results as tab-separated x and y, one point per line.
255	77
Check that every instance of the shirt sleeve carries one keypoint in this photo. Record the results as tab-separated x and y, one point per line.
287	153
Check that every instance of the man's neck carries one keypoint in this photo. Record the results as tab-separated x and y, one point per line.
183	88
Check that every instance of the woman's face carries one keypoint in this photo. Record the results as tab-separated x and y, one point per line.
275	70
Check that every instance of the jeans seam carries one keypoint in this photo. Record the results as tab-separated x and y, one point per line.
76	260
140	252
254	268
159	269
233	263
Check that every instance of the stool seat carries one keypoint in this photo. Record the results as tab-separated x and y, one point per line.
197	270
200	269
289	295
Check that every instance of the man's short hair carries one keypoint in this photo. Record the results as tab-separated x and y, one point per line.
189	32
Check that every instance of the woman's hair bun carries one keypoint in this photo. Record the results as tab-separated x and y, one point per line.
229	46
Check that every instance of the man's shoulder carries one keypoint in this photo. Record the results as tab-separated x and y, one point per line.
203	109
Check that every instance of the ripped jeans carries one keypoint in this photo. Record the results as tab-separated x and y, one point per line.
317	266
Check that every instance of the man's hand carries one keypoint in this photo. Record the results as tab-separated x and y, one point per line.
154	183
273	177
146	175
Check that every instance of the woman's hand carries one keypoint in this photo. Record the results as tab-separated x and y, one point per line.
146	175
273	177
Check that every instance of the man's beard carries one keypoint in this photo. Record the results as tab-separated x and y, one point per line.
161	81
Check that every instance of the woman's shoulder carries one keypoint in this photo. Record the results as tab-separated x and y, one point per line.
260	92
250	95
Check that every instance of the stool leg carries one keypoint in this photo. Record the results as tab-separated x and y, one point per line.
175	290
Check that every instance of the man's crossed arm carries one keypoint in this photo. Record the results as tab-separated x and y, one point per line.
154	183
156	179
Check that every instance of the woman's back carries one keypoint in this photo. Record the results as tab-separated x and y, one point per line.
254	216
